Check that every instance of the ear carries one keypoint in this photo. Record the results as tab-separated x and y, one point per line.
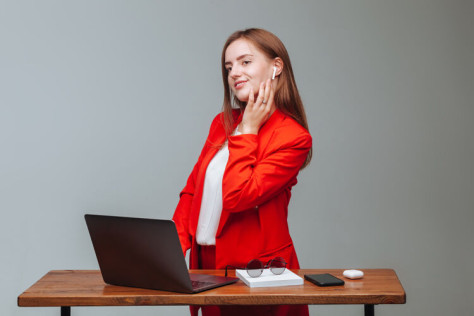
278	63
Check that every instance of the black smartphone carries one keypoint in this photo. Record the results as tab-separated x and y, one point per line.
325	279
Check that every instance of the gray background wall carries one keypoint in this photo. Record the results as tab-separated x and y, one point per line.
104	107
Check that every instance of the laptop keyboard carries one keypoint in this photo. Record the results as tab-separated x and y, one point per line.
199	284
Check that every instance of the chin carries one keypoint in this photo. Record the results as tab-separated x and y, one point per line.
243	96
244	99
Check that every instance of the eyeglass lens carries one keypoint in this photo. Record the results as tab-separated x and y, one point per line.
277	265
255	268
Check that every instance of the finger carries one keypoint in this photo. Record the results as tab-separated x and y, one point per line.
266	97
251	98
261	93
267	109
270	98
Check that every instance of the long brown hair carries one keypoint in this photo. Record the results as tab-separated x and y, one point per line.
287	98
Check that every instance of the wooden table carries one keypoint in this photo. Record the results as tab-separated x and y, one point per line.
68	288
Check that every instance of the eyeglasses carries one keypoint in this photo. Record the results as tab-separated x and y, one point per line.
255	267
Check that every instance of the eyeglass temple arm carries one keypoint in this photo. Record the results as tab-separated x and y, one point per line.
230	266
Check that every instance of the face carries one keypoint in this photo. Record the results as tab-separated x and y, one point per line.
246	68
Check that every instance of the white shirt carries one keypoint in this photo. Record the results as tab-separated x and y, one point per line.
211	203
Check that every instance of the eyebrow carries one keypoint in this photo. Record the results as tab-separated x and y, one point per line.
238	58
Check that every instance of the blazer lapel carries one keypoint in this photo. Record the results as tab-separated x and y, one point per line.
213	140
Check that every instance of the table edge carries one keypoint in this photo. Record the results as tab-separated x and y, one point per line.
25	300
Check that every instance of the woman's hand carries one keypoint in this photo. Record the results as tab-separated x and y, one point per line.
257	112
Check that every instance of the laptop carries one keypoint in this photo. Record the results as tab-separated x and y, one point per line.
145	253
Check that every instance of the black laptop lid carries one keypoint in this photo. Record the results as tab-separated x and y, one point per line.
137	252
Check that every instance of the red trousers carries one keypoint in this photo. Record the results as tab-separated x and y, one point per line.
207	260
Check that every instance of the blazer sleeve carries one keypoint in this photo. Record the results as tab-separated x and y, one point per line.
249	182
181	214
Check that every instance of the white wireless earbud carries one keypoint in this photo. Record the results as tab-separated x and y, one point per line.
274	72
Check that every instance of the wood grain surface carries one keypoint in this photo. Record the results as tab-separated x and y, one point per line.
87	288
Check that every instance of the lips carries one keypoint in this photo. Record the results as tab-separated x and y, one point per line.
239	84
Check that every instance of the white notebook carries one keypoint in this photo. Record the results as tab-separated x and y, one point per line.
269	279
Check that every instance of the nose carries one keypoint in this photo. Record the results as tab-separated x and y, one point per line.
235	72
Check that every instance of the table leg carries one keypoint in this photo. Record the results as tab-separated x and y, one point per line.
65	310
369	310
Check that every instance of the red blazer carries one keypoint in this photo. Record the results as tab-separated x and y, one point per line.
256	191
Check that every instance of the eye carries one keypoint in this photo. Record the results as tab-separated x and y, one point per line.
228	69
246	62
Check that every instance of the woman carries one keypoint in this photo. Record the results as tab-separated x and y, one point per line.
234	206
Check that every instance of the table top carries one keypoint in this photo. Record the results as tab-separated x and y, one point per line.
87	288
